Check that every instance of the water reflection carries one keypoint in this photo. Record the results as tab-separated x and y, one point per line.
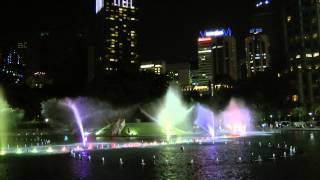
80	167
173	163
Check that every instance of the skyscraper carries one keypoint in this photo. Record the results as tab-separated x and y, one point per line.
302	47
267	16
217	60
118	41
257	52
13	62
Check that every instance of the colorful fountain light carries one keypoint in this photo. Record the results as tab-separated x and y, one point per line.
236	118
172	112
205	119
3	120
78	119
3	152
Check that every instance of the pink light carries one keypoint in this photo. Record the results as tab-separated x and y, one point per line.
236	118
64	149
90	147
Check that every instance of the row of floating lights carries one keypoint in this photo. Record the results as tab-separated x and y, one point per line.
78	148
259	159
90	147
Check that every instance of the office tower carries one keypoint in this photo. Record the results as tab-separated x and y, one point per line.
302	29
117	25
217	60
257	46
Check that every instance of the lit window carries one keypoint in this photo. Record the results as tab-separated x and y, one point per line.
315	35
289	18
309	55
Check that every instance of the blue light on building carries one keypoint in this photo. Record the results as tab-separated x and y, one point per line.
13	66
216	33
256	30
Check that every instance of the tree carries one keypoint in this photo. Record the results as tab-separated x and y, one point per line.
299	112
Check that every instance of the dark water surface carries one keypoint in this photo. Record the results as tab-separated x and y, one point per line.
171	163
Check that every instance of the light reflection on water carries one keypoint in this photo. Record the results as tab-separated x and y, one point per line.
178	165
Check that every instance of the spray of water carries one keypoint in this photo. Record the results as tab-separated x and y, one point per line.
236	118
3	121
171	113
69	103
205	119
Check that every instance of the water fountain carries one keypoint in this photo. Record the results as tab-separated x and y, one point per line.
70	104
205	119
3	122
236	118
172	115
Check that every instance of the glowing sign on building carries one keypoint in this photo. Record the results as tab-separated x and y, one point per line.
99	5
218	33
204	40
124	3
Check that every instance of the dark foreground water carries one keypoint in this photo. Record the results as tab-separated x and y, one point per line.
171	163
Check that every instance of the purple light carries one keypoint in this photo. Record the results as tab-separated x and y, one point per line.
205	119
236	118
78	119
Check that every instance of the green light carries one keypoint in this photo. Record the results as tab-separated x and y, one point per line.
4	110
101	131
19	151
49	150
173	113
2	153
133	133
34	150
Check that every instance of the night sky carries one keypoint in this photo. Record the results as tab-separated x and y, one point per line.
168	29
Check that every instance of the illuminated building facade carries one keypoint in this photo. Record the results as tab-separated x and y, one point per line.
302	29
257	47
119	46
38	80
156	67
180	74
217	60
268	16
13	62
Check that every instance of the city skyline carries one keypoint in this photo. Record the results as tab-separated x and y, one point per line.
177	32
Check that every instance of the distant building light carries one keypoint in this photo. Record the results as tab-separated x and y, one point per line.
298	56
146	66
263	3
204	40
295	98
316	54
309	55
256	30
204	51
201	88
